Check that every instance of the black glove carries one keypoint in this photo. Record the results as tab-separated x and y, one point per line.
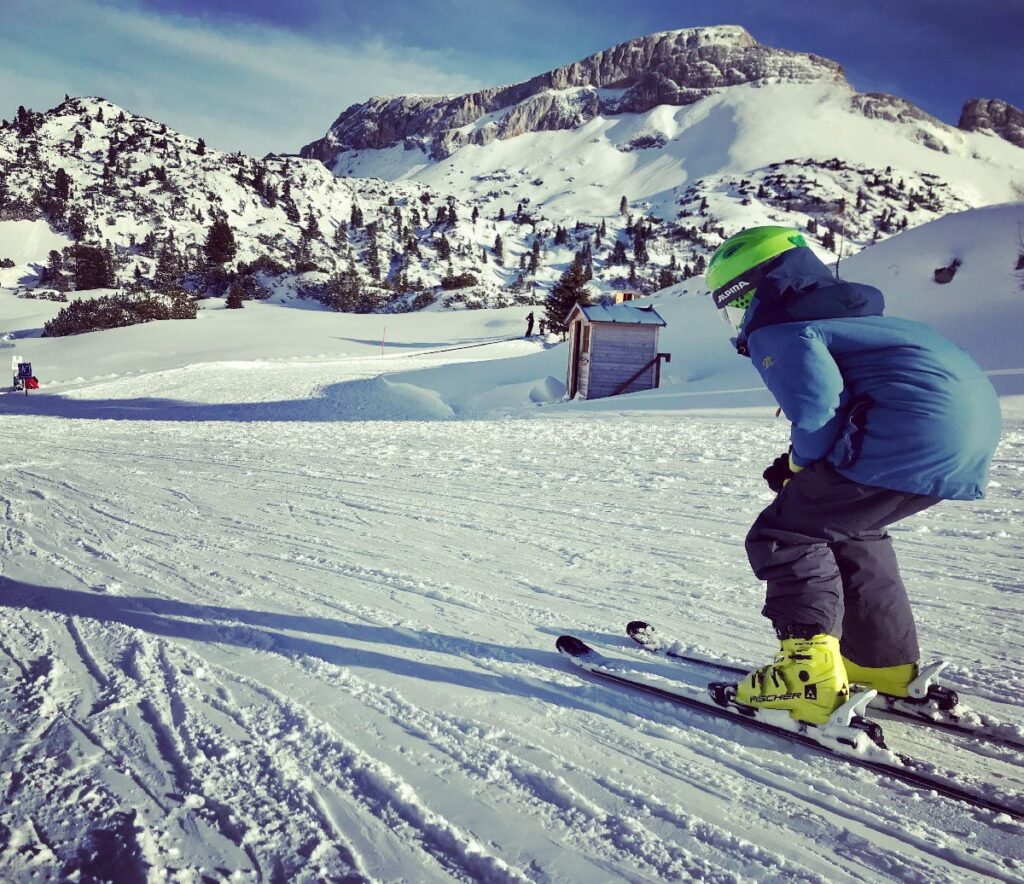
779	473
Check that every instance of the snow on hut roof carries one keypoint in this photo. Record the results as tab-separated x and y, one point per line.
626	312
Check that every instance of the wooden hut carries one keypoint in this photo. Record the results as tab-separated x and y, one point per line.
613	350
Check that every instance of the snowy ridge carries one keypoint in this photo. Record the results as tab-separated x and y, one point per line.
672	67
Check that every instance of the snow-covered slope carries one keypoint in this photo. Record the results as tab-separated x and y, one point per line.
280	590
975	310
742	134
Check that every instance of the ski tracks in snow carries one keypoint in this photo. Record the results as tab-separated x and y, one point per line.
290	651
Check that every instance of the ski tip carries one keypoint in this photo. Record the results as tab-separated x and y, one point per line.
572	646
642	632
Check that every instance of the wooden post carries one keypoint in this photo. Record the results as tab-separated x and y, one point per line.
657	368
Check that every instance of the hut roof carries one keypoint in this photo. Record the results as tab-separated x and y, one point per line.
627	313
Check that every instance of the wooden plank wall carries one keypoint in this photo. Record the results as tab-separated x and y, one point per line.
617	352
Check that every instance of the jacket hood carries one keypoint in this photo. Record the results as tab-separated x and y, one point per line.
798	287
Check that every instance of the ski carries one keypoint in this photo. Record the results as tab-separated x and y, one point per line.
937	706
847	735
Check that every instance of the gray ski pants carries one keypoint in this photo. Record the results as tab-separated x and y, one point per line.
829	562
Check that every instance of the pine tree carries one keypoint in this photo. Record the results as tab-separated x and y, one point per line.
356	217
640	247
499	251
219	247
94	268
200	147
344	292
623	206
501	214
618	256
312	228
62	185
570	289
534	263
53	274
476	215
291	211
444	249
168	268
23	121
235	301
372	255
78	224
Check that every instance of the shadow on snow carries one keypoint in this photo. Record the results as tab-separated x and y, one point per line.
288	635
364	399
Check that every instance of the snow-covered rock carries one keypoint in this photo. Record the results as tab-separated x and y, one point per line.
674	67
993	114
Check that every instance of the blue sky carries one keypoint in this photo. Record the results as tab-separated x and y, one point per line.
271	75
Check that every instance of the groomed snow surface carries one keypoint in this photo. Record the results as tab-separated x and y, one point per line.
280	599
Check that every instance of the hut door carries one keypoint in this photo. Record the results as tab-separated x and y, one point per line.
574	366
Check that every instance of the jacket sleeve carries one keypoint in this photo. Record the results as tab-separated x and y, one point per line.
801	374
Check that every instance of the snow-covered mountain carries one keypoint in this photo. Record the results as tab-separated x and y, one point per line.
675	68
100	174
636	160
672	68
701	129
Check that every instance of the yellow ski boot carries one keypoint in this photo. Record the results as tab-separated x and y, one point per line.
891	680
806	677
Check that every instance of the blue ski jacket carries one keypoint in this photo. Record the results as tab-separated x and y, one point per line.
886	401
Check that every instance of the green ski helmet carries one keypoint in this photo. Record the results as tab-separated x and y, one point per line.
737	266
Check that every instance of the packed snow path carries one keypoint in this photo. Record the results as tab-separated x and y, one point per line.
324	650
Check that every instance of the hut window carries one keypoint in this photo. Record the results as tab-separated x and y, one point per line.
586	339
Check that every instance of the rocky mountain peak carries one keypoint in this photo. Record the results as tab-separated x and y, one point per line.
995	115
672	67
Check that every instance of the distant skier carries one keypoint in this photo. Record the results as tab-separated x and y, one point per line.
887	418
529	325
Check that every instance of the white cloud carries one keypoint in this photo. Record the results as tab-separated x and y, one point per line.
251	88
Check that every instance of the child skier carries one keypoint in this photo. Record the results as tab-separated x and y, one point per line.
887	418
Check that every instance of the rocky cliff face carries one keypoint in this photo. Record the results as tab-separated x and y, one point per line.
995	115
675	67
